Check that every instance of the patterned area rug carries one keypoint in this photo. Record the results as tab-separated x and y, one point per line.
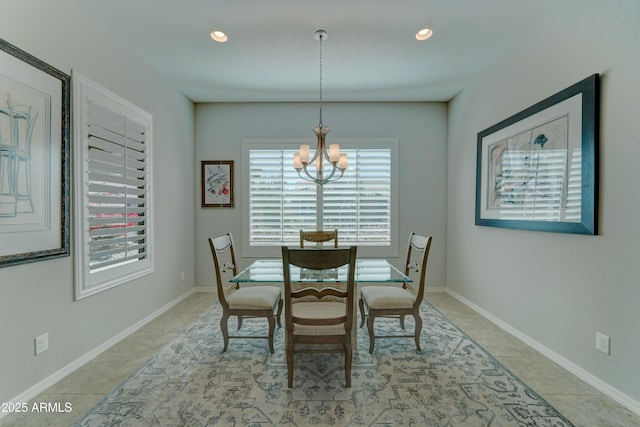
452	382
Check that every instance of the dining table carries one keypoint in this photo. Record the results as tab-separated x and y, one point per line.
369	271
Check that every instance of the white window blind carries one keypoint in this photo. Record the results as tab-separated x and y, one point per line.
360	204
280	203
113	179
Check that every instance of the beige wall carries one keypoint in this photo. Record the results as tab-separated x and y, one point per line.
419	126
559	289
38	297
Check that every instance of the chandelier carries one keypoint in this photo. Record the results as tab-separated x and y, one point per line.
329	165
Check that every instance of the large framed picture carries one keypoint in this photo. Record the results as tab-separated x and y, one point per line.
217	183
34	158
538	169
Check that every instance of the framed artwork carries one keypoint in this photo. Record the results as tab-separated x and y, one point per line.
538	169
34	158
217	183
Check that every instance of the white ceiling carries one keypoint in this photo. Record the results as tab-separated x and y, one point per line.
371	53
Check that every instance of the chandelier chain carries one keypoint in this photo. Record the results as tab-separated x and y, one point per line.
321	37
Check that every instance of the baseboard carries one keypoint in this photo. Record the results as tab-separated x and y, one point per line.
78	363
615	394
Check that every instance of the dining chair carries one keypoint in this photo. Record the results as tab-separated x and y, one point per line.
319	236
328	318
247	302
396	301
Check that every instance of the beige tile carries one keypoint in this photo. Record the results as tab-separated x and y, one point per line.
498	342
590	410
101	375
546	376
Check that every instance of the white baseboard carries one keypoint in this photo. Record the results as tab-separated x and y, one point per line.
615	394
78	363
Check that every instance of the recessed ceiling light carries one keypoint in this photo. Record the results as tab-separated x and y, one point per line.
219	36
424	34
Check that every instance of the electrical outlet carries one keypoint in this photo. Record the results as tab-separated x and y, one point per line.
42	343
182	275
602	342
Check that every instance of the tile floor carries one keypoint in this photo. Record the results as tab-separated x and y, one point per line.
581	403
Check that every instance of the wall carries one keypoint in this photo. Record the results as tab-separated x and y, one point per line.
420	127
559	289
38	297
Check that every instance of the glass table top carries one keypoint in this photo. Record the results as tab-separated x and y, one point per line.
367	270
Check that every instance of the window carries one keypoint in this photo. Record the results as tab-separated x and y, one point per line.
361	205
113	197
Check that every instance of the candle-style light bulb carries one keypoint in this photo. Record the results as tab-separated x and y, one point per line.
297	164
334	153
304	153
344	161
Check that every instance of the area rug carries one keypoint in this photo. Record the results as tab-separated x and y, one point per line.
453	381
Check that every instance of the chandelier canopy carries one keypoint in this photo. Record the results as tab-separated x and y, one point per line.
335	161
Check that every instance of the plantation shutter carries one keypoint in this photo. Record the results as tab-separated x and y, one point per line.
281	203
359	204
113	189
117	188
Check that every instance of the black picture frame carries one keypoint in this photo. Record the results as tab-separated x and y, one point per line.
538	169
34	158
217	189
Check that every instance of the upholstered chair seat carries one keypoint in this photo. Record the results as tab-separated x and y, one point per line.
381	297
254	298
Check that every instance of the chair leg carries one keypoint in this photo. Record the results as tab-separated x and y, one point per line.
289	362
225	331
402	321
348	358
372	338
280	304
418	330
239	322
272	326
362	315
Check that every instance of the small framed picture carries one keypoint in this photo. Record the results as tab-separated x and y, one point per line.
217	183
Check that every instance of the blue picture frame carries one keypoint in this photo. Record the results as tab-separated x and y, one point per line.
538	169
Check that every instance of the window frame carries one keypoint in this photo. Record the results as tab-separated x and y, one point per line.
88	282
388	251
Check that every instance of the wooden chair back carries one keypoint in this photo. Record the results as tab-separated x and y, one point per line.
312	318
319	236
224	262
416	264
